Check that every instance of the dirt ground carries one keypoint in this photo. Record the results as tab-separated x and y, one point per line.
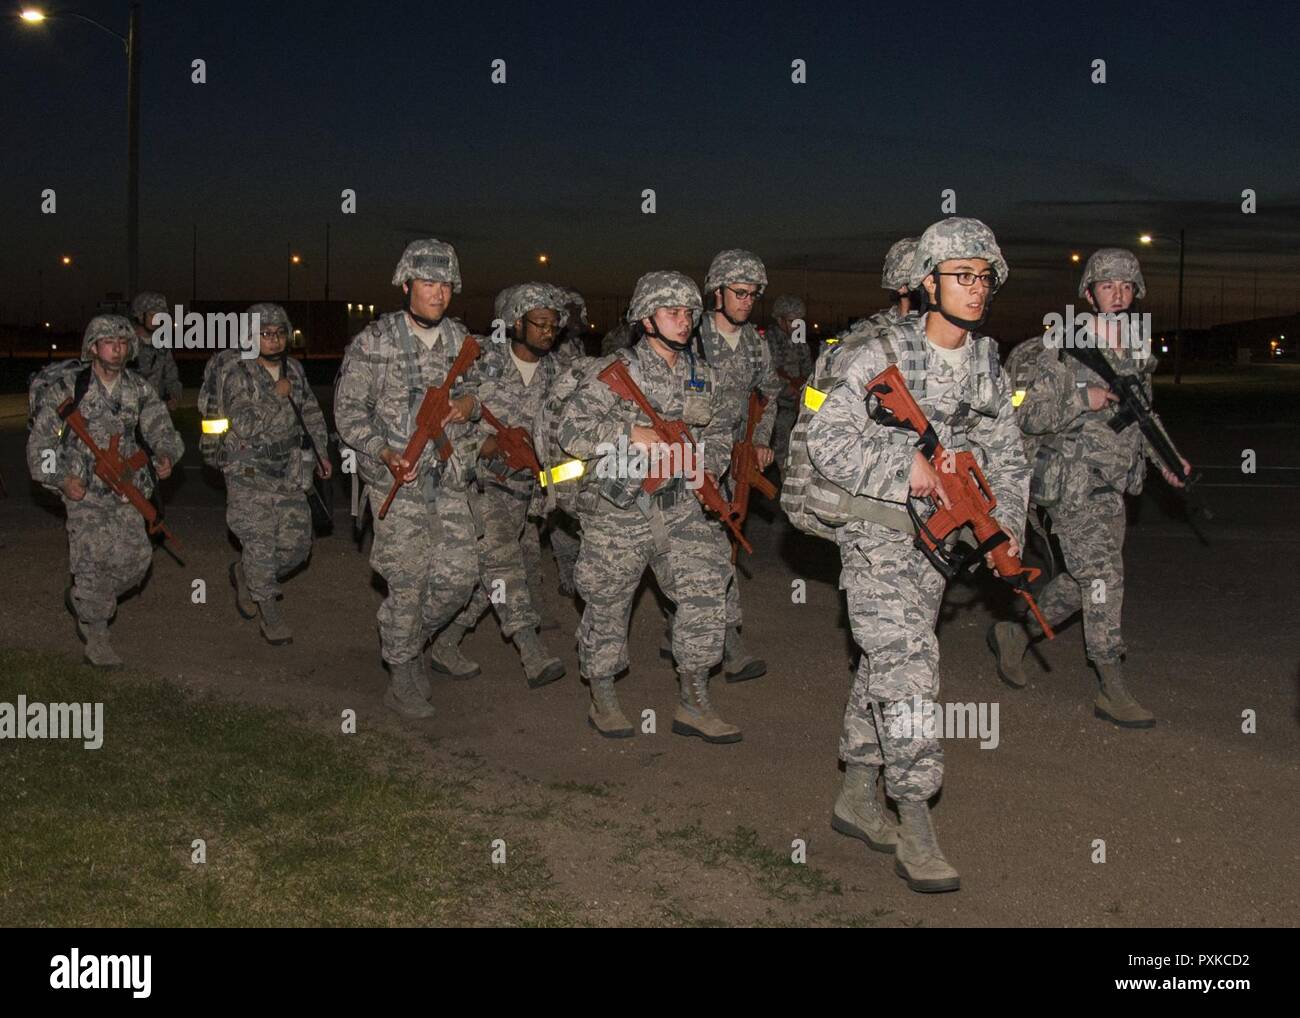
1199	819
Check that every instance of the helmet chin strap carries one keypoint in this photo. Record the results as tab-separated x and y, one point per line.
681	347
969	324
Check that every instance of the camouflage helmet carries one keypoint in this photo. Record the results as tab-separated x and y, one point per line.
788	306
272	314
106	327
570	296
664	289
501	303
898	263
956	237
735	266
1113	263
146	303
428	259
529	297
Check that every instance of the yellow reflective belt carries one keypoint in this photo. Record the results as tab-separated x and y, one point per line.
562	472
832	339
813	398
218	426
1018	397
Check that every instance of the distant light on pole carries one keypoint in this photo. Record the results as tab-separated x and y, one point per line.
1145	238
66	259
1074	258
543	259
32	15
296	259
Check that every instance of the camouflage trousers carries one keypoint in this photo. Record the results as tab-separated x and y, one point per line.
503	517
274	531
562	530
894	596
425	551
109	552
1090	528
690	561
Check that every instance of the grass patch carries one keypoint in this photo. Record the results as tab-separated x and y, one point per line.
774	874
301	828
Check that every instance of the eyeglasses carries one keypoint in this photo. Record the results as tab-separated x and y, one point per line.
545	328
743	295
989	279
275	333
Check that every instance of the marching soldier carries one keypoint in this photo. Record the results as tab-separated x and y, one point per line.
155	364
424	547
894	592
1082	471
109	549
624	529
793	364
515	379
269	470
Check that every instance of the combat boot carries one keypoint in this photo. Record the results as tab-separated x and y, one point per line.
403	694
737	663
605	715
274	629
695	714
445	655
1116	704
1009	641
99	652
244	603
918	858
540	666
858	815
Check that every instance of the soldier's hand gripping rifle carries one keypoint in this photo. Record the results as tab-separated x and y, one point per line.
1134	407
116	470
672	433
745	474
428	422
516	444
970	499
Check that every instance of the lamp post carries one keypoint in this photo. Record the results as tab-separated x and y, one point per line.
1148	238
131	44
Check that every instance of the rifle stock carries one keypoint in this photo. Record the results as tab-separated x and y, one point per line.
115	470
516	444
620	381
970	499
428	422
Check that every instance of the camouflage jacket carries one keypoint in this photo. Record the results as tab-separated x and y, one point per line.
594	420
385	374
132	402
617	338
868	458
739	371
502	390
264	444
158	368
795	359
1055	405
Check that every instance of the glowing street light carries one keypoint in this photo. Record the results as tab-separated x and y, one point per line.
1075	258
66	259
1148	238
131	47
1145	238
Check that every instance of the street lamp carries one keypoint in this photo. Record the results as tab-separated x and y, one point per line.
131	43
1148	239
294	259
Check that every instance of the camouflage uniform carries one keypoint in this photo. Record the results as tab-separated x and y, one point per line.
617	338
893	591
624	529
739	372
795	360
424	547
156	366
267	470
109	549
1082	470
502	496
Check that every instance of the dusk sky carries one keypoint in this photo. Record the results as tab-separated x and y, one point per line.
395	101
